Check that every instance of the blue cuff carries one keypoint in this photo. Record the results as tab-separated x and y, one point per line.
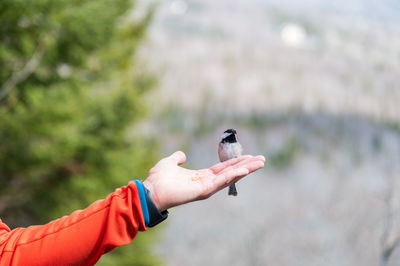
143	202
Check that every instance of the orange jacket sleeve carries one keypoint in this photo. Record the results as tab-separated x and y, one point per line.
80	238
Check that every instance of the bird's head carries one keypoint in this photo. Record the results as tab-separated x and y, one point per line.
229	136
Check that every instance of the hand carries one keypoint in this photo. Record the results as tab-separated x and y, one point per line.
171	185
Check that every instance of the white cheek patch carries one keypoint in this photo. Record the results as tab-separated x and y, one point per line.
225	135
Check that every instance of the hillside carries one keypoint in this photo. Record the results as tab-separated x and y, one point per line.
313	86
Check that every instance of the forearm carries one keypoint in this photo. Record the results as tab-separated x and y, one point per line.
80	238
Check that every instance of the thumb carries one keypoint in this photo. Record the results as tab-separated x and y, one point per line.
178	157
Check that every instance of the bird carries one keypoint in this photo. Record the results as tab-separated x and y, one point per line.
229	148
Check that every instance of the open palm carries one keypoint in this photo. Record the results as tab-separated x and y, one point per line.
171	185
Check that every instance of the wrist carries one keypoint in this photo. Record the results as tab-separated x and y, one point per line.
153	195
151	213
156	215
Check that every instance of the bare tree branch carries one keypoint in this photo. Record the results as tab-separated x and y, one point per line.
388	242
23	74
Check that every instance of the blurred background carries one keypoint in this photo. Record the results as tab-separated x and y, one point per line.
93	93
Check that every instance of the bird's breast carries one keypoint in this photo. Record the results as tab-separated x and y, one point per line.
228	151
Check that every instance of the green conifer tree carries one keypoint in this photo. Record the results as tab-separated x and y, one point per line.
71	90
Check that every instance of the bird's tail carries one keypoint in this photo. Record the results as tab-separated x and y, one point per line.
232	190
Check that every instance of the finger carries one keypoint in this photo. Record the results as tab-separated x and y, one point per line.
251	159
178	157
260	157
252	168
243	163
233	174
220	166
224	179
253	165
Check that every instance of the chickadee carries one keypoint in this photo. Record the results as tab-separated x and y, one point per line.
229	148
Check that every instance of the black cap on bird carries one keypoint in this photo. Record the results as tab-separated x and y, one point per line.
229	136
